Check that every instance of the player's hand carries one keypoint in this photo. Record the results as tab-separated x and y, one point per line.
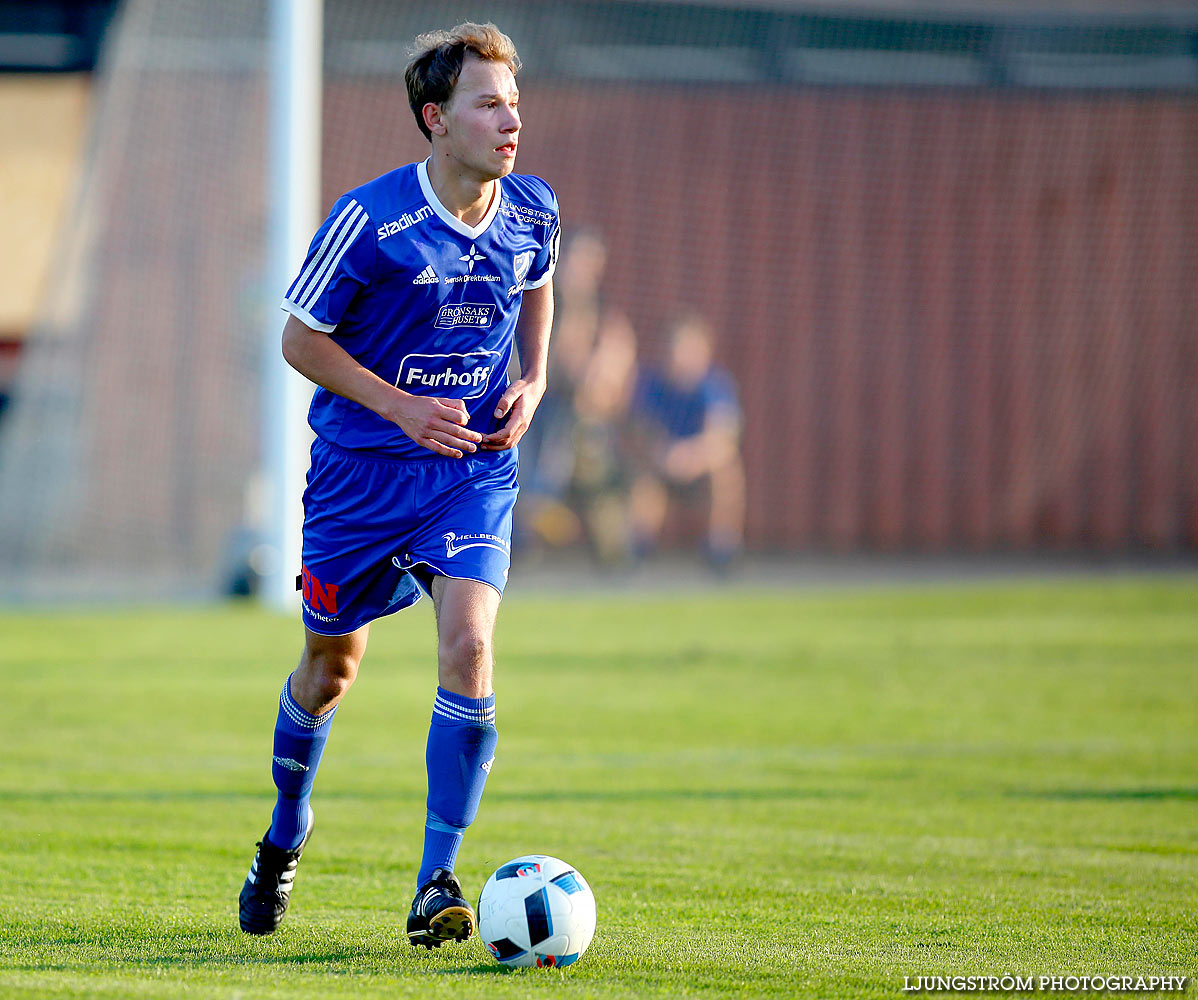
436	424
684	460
518	403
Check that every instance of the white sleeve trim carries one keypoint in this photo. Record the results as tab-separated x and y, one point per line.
306	317
543	278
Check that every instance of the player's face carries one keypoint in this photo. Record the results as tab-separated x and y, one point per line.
690	355
482	119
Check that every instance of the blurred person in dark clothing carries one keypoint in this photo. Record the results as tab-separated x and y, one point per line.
547	449
601	476
690	419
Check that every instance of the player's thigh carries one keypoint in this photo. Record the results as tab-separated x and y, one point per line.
336	651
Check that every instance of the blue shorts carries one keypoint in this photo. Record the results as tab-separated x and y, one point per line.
377	530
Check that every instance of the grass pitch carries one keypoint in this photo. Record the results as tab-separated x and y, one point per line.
773	794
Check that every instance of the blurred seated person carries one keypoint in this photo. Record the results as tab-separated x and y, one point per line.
600	479
543	516
690	420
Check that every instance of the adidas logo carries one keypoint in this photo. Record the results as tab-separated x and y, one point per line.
426	277
291	765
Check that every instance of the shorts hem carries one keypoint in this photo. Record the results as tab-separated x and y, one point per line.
366	621
332	635
437	571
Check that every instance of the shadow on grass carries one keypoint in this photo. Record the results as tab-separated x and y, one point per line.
580	795
163	945
1182	792
485	969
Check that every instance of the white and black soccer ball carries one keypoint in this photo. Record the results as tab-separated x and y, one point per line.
536	910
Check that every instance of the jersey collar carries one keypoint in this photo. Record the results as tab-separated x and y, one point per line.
446	216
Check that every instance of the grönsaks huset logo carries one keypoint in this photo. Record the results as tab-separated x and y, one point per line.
461	376
475	314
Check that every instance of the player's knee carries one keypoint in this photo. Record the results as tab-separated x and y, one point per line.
327	675
465	656
466	649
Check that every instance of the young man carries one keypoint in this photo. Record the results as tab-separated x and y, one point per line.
691	416
404	314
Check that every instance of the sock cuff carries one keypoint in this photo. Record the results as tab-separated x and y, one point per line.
459	708
300	717
434	822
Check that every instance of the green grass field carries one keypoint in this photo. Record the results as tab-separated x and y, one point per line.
773	793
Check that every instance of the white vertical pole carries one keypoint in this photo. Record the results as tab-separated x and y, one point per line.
293	194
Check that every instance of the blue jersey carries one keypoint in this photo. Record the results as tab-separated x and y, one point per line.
421	299
683	411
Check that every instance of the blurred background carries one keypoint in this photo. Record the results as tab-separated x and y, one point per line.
838	280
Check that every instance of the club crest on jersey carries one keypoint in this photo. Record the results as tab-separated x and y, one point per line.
458	376
523	262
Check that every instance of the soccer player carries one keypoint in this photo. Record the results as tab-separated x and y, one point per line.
404	313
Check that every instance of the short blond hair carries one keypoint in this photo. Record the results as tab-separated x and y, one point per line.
437	58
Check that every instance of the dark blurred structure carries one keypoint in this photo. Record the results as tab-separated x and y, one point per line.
949	256
46	49
52	36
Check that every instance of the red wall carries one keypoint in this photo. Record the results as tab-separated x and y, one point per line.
958	320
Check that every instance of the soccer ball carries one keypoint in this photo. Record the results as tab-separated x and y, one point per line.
536	910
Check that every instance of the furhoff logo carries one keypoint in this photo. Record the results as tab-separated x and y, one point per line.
461	376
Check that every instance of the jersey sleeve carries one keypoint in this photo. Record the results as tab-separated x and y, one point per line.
545	262
340	262
719	395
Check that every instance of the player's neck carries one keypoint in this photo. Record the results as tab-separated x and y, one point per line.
463	193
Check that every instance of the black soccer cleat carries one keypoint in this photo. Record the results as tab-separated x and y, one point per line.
267	890
439	912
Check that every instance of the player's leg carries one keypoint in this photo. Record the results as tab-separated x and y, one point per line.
460	749
725	533
307	705
462	735
648	503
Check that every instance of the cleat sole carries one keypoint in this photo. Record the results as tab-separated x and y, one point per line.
455	923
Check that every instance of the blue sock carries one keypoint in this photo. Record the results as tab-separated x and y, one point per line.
461	747
299	745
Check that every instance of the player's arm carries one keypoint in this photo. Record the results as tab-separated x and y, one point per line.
715	445
521	399
436	424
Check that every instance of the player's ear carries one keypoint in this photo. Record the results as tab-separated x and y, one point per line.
433	118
